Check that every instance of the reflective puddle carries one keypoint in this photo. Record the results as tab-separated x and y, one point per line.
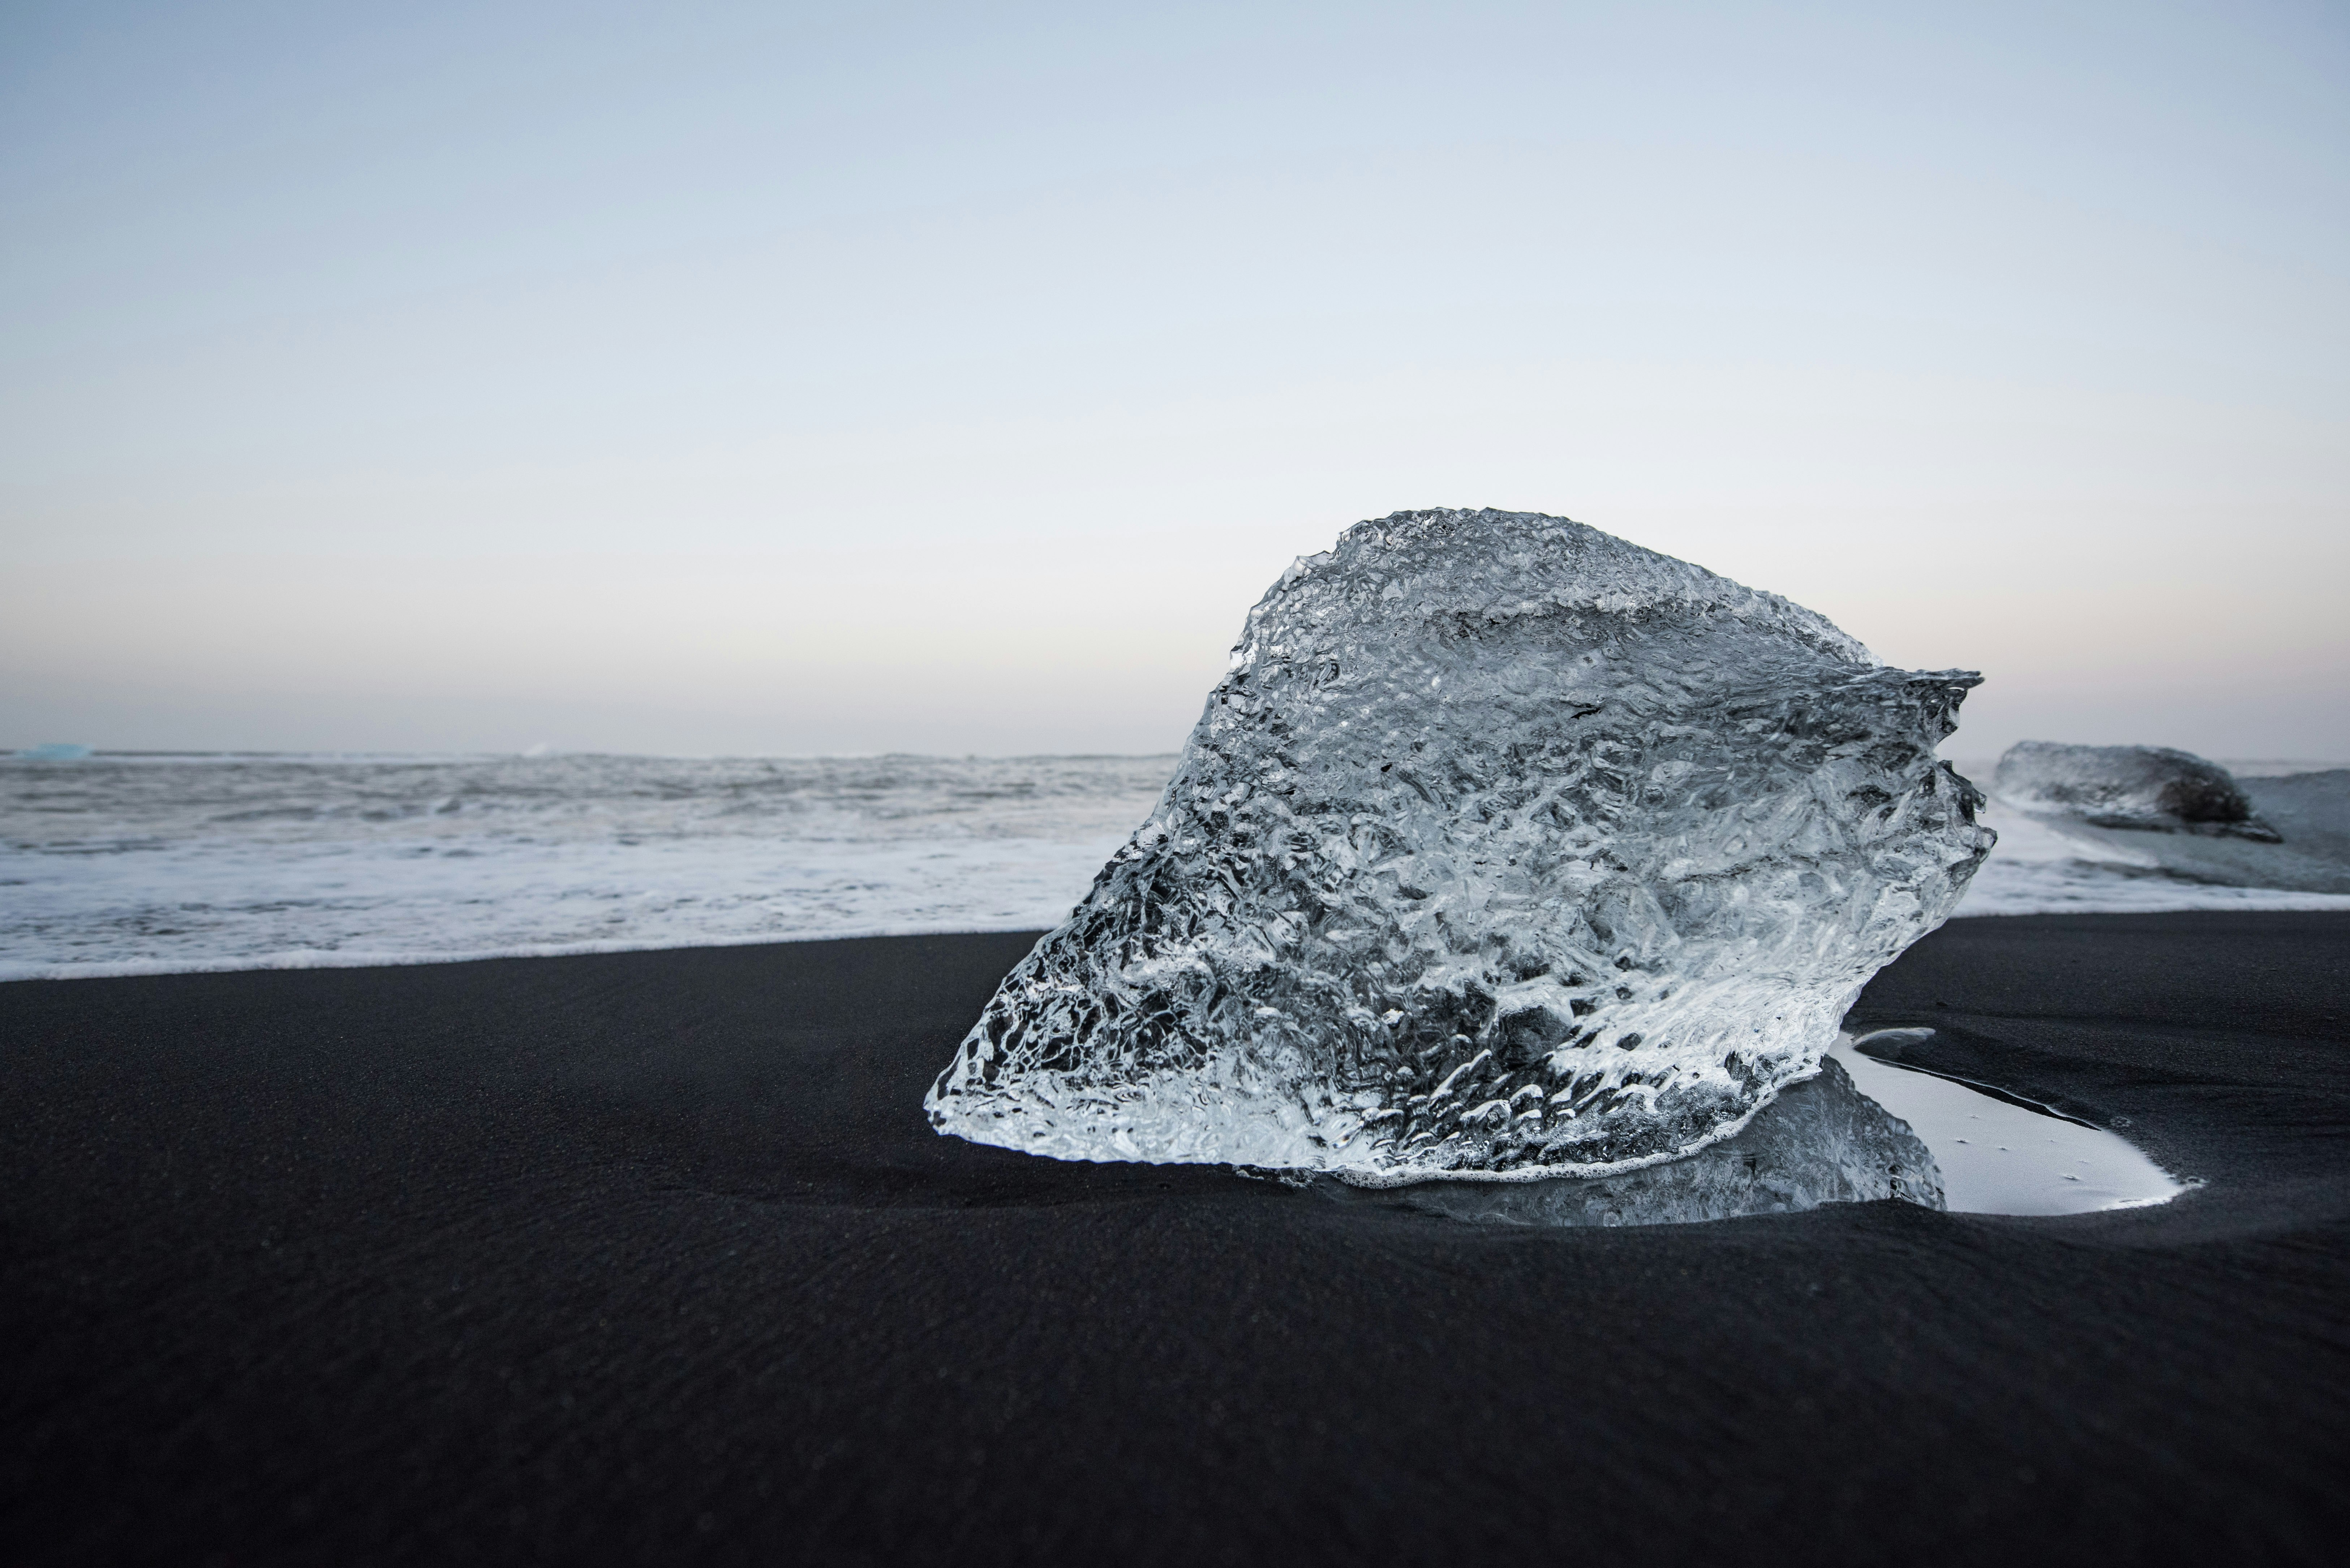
1998	1156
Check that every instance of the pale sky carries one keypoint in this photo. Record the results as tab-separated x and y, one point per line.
800	378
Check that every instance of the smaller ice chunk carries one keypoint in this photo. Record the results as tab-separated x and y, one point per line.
2148	789
1821	1141
2176	821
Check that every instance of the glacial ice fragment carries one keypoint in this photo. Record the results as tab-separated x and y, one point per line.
1505	849
2171	814
2148	789
1821	1141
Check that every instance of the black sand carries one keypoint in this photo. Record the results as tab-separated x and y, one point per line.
652	1258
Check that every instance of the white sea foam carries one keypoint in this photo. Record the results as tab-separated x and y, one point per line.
2038	869
150	865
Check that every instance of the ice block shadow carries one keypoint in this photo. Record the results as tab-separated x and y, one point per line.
1821	1141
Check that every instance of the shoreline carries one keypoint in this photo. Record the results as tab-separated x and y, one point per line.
651	1255
127	870
2256	901
295	963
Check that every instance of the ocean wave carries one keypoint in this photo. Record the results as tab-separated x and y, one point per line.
2039	870
156	864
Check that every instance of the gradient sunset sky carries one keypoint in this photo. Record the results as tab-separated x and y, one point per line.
801	379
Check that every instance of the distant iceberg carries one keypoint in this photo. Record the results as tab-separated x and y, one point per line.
53	752
1505	849
2183	820
2149	789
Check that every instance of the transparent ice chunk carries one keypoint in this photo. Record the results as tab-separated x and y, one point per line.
1505	849
1820	1141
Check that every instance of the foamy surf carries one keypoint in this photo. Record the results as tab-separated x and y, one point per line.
114	865
119	866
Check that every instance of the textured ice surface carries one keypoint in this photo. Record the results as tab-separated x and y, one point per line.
1821	1141
1505	848
2144	788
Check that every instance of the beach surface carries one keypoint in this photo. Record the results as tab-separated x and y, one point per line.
651	1257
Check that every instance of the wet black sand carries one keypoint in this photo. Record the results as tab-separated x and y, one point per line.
650	1257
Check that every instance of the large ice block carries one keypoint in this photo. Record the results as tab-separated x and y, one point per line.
1504	850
